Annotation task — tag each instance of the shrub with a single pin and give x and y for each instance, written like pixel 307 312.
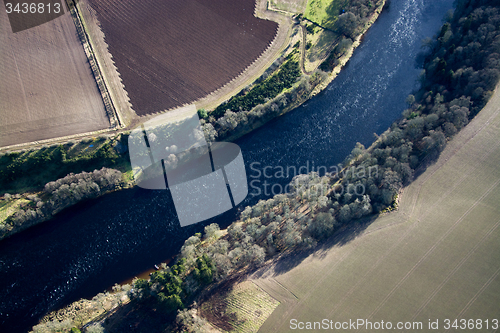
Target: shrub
pixel 268 89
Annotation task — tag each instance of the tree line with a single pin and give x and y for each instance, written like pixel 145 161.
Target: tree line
pixel 317 206
pixel 461 70
pixel 240 121
pixel 60 194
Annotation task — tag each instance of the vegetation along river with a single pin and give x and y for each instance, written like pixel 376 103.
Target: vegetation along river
pixel 97 243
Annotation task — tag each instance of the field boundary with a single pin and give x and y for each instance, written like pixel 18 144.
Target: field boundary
pixel 58 139
pixel 104 60
pixel 113 116
pixel 258 66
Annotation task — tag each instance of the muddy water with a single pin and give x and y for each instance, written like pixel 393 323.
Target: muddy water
pixel 96 244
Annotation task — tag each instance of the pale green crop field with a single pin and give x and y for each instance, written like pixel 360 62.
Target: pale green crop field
pixel 246 307
pixel 436 258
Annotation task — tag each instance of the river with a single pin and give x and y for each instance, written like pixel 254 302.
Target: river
pixel 89 247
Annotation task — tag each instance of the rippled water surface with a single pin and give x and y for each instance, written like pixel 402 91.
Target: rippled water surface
pixel 95 244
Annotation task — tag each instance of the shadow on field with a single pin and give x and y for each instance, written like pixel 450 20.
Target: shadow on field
pixel 342 237
pixel 428 161
pixel 136 318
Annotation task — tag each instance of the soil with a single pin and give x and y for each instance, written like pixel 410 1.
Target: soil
pixel 172 53
pixel 47 89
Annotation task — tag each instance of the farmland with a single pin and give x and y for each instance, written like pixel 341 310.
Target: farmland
pixel 174 53
pixel 437 257
pixel 47 88
pixel 242 309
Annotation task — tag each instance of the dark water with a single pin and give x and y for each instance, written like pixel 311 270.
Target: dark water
pixel 95 244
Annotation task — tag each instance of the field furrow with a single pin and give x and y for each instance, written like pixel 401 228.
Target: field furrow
pixel 176 52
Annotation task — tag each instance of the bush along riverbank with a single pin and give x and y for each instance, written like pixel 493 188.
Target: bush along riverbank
pixel 25 176
pixel 281 92
pixel 28 170
pixel 465 49
pixel 283 89
pixel 23 211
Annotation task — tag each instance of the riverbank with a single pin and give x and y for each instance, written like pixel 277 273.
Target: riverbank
pixel 20 212
pixel 25 173
pixel 112 151
pixel 349 52
pixel 290 99
pixel 407 148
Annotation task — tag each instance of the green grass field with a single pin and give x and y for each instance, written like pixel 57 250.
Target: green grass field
pixel 324 12
pixel 30 170
pixel 436 258
pixel 323 43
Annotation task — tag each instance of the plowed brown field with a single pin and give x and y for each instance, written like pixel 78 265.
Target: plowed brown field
pixel 47 89
pixel 174 52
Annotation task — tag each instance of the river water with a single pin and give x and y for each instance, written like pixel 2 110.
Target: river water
pixel 91 246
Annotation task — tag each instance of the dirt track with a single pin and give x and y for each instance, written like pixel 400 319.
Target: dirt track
pixel 47 89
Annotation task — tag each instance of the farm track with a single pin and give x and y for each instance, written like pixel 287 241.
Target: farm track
pixel 303 50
